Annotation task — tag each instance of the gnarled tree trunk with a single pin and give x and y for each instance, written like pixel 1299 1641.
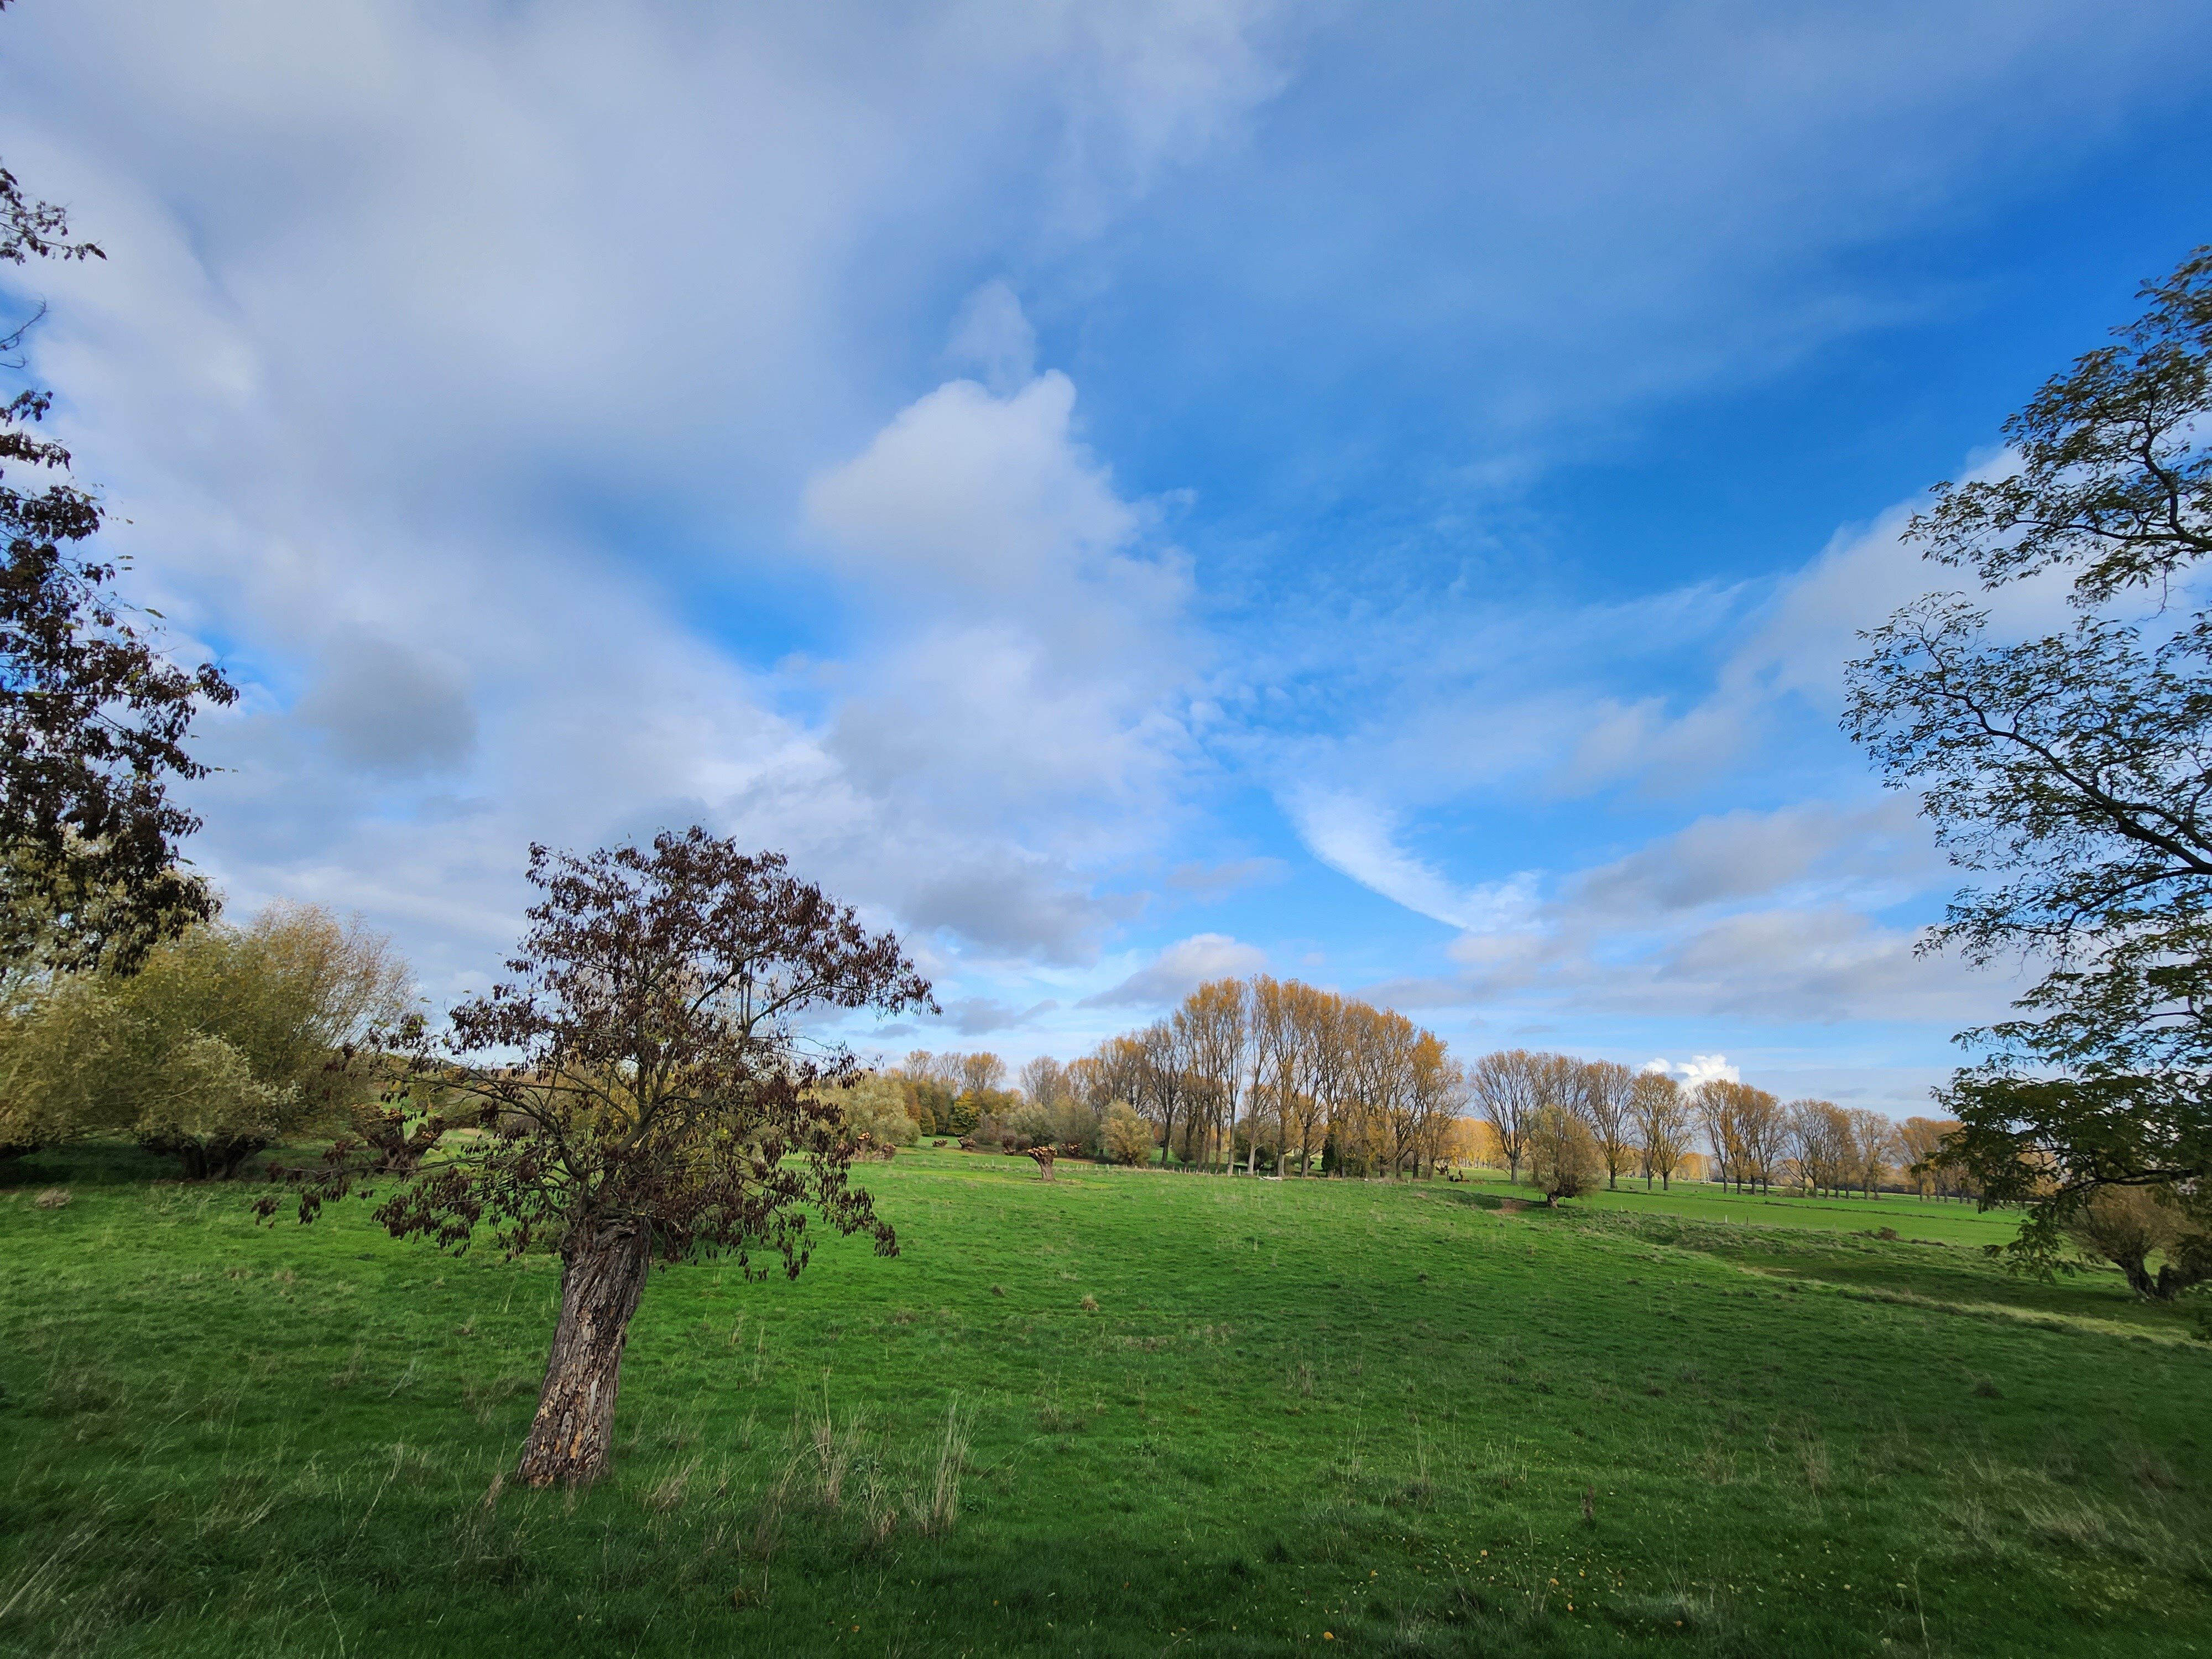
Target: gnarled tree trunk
pixel 602 1276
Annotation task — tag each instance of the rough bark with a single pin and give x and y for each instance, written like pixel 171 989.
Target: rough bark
pixel 602 1277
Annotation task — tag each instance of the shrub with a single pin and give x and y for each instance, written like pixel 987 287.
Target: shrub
pixel 1126 1137
pixel 1073 1128
pixel 877 1107
pixel 53 1050
pixel 1563 1154
pixel 2127 1225
pixel 225 1041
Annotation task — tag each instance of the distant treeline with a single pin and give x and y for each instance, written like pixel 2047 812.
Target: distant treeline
pixel 1571 1121
pixel 1278 1075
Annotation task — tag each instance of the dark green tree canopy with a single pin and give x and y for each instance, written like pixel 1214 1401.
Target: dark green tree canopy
pixel 2115 478
pixel 2073 771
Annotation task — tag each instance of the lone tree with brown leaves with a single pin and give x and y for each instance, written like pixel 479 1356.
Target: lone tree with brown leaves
pixel 644 1093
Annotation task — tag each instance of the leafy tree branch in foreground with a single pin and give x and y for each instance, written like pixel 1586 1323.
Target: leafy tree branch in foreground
pixel 2073 770
pixel 93 718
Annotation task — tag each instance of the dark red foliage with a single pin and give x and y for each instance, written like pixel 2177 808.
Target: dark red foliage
pixel 644 1067
pixel 93 718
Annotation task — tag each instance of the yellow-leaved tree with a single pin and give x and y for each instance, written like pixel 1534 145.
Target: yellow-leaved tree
pixel 226 1041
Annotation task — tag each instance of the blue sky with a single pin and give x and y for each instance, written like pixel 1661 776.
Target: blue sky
pixel 1123 494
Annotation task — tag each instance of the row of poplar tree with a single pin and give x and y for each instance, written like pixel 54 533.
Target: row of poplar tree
pixel 1279 1075
pixel 1245 1074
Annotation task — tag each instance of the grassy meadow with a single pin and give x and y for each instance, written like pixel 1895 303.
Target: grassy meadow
pixel 1122 1413
pixel 1943 1221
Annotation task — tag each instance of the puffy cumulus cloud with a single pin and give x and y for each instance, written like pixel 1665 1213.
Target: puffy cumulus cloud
pixel 1033 656
pixel 1698 1068
pixel 990 504
pixel 969 490
pixel 440 352
pixel 1178 970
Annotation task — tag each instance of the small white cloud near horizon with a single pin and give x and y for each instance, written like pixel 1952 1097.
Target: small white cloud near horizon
pixel 1698 1068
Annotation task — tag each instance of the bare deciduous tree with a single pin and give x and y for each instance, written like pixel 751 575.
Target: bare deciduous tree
pixel 1213 1023
pixel 983 1073
pixel 1163 1080
pixel 1044 1082
pixel 1508 1088
pixel 1821 1137
pixel 1607 1088
pixel 1437 1083
pixel 1662 1115
pixel 1763 1132
pixel 1874 1142
pixel 1720 1105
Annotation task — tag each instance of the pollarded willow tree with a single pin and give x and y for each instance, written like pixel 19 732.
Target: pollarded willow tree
pixel 2072 774
pixel 643 1092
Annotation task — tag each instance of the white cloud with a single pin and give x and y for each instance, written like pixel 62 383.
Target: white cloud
pixel 1761 917
pixel 1869 853
pixel 974 491
pixel 993 337
pixel 975 1016
pixel 1698 1068
pixel 498 348
pixel 391 710
pixel 1354 836
pixel 1179 968
pixel 424 332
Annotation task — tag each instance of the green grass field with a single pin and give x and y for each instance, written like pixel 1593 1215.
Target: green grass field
pixel 1937 1221
pixel 1290 1417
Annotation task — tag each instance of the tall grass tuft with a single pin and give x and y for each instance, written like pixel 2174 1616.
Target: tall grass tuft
pixel 941 1507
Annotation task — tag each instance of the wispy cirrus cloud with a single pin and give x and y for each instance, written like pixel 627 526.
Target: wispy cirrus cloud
pixel 1355 836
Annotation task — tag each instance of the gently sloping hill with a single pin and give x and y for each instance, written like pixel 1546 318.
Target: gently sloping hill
pixel 2093 1298
pixel 1101 1415
pixel 1943 1221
